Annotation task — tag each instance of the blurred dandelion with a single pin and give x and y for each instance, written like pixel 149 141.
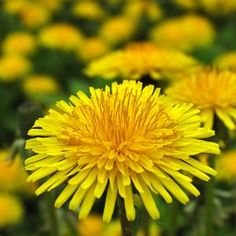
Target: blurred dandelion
pixel 149 60
pixel 11 210
pixel 212 92
pixel 122 138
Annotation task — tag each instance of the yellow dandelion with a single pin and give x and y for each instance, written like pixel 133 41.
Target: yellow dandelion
pixel 227 61
pixel 226 165
pixel 40 84
pixel 51 5
pixel 140 59
pixel 136 9
pixel 117 29
pixel 88 10
pixel 181 33
pixel 187 4
pixel 32 14
pixel 13 67
pixel 212 92
pixel 13 175
pixel 92 48
pixel 11 211
pixel 91 226
pixel 118 139
pixel 18 43
pixel 222 7
pixel 61 36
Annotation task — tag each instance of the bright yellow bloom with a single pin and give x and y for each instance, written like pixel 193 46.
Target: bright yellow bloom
pixel 13 176
pixel 91 226
pixel 136 9
pixel 212 92
pixel 51 5
pixel 11 211
pixel 33 15
pixel 185 32
pixel 88 10
pixel 122 137
pixel 40 84
pixel 61 36
pixel 226 165
pixel 217 7
pixel 92 48
pixel 140 59
pixel 19 43
pixel 188 4
pixel 227 61
pixel 13 67
pixel 117 29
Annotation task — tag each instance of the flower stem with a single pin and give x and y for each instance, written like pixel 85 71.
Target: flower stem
pixel 52 216
pixel 125 224
pixel 209 204
pixel 173 219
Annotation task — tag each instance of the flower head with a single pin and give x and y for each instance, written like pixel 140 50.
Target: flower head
pixel 149 60
pixel 212 92
pixel 136 10
pixel 13 175
pixel 117 29
pixel 88 10
pixel 18 43
pixel 226 165
pixel 120 138
pixel 227 61
pixel 61 36
pixel 92 48
pixel 11 211
pixel 181 33
pixel 13 67
pixel 40 84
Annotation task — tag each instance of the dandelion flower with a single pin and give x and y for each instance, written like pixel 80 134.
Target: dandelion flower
pixel 226 165
pixel 13 67
pixel 117 29
pixel 85 229
pixel 187 4
pixel 11 211
pixel 118 139
pixel 13 175
pixel 181 33
pixel 40 84
pixel 18 43
pixel 227 61
pixel 212 92
pixel 140 59
pixel 88 10
pixel 136 10
pixel 92 48
pixel 219 7
pixel 61 36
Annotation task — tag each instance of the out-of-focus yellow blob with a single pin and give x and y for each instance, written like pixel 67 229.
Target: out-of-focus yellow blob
pixel 186 32
pixel 11 210
pixel 227 61
pixel 19 43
